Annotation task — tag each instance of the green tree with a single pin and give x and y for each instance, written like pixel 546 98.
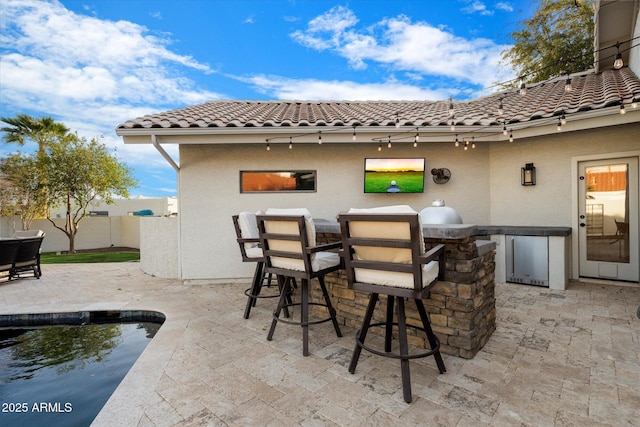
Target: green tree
pixel 79 172
pixel 20 191
pixel 25 128
pixel 556 40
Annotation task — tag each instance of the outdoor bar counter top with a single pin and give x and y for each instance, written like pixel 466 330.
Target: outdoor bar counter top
pixel 458 231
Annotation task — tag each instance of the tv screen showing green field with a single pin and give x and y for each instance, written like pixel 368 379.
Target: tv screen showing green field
pixel 394 175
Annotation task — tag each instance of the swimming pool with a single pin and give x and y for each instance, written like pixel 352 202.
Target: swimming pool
pixel 59 369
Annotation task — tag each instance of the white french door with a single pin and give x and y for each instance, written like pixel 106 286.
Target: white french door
pixel 608 219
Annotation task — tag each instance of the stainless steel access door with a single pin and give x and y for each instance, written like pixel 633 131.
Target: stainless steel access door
pixel 528 260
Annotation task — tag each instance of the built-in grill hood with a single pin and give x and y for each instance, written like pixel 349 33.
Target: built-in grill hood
pixel 438 213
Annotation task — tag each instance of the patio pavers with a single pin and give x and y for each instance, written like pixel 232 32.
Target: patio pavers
pixel 557 358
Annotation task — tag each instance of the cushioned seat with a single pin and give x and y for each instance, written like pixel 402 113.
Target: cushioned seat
pixel 384 254
pixel 288 239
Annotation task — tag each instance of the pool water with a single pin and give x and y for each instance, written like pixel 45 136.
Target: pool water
pixel 62 375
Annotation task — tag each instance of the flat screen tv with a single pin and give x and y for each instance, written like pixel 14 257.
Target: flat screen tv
pixel 398 175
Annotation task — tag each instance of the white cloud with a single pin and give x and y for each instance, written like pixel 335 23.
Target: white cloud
pixel 319 90
pixel 477 7
pixel 504 6
pixel 80 68
pixel 328 30
pixel 413 47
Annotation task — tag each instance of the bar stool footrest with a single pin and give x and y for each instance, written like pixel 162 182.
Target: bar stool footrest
pixel 332 313
pixel 362 345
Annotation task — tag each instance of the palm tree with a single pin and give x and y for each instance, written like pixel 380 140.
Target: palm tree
pixel 42 131
pixel 26 128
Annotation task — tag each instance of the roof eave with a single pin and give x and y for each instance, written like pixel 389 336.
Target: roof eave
pixel 591 119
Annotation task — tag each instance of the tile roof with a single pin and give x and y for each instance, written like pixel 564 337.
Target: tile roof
pixel 591 91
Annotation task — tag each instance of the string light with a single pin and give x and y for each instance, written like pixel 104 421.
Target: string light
pixel 415 140
pixel 618 62
pixel 523 87
pixel 567 84
pixel 473 144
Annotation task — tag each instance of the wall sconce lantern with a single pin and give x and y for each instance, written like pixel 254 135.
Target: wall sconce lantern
pixel 528 174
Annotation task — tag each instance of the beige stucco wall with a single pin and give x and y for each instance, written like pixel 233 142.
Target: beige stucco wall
pixel 159 246
pixel 485 186
pixel 209 191
pixel 549 201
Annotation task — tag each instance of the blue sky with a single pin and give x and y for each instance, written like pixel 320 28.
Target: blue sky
pixel 93 64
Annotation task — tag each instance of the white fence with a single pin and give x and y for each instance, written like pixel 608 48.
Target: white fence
pixel 94 232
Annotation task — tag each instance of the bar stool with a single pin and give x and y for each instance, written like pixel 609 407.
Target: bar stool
pixel 248 239
pixel 384 255
pixel 287 237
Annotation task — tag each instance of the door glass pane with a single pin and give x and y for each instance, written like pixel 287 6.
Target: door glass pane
pixel 607 195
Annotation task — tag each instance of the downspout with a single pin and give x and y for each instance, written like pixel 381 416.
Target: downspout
pixel 154 141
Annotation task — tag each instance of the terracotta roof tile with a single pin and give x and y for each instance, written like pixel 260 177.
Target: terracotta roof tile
pixel 547 99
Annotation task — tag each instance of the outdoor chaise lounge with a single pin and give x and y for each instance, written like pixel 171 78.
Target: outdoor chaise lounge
pixel 21 253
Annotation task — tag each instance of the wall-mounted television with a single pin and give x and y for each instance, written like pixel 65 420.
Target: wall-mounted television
pixel 394 175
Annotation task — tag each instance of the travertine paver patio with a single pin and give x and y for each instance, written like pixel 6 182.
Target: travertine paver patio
pixel 557 358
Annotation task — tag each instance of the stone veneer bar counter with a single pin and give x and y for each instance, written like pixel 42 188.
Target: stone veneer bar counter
pixel 461 307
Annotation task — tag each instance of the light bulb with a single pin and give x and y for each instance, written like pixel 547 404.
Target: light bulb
pixel 567 85
pixel 353 138
pixel 268 147
pixel 320 137
pixel 622 110
pixel 504 130
pixel 511 137
pixel 523 88
pixel 618 63
pixel 563 120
